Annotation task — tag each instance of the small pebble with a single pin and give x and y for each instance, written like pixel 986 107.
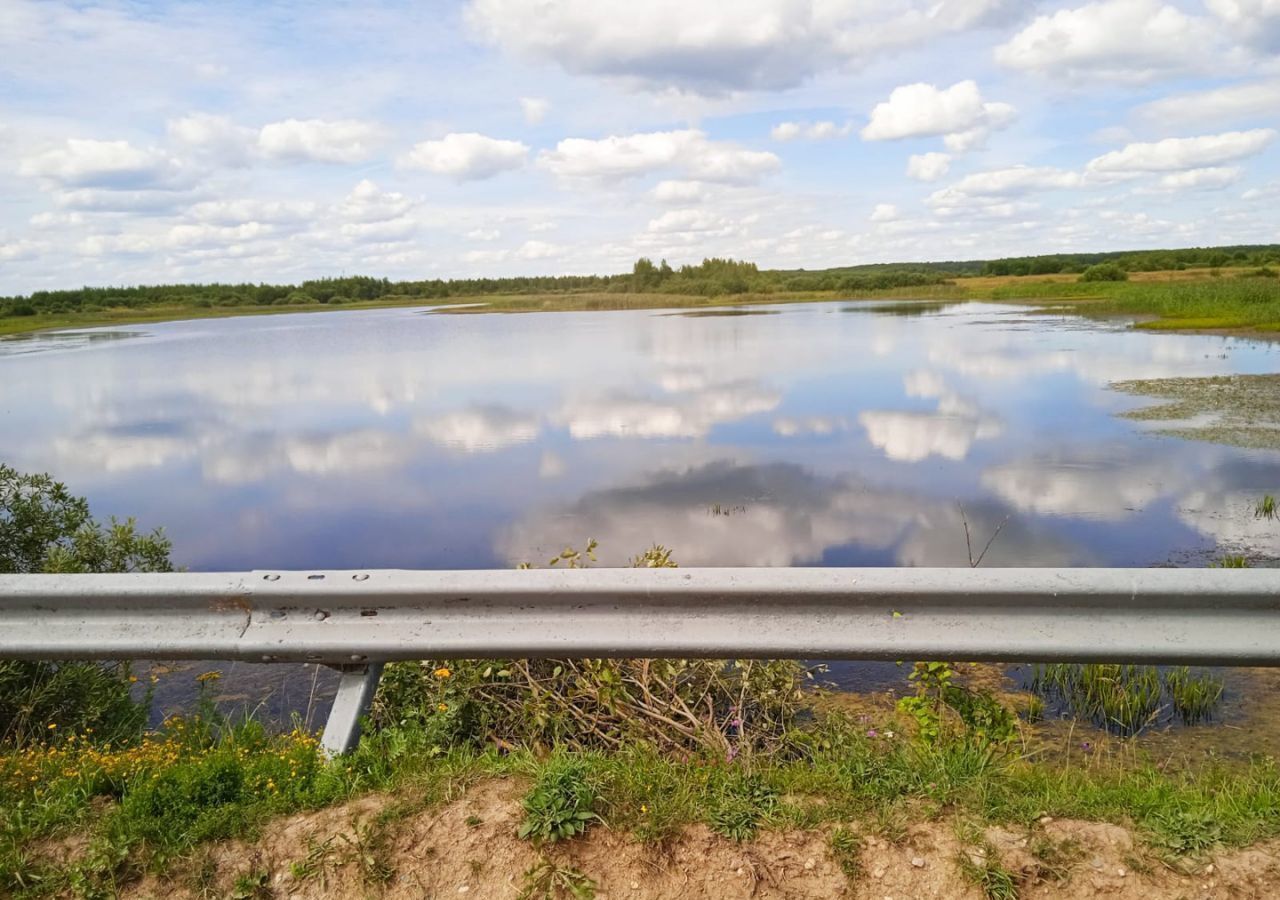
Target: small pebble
pixel 810 863
pixel 917 861
pixel 741 870
pixel 1121 872
pixel 1045 820
pixel 635 885
pixel 877 872
pixel 1096 862
pixel 1208 870
pixel 464 889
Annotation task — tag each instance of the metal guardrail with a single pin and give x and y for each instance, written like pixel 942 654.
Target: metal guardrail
pixel 356 621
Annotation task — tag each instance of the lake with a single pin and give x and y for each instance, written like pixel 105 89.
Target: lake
pixel 838 434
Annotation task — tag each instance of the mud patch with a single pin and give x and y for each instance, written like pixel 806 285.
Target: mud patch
pixel 1239 410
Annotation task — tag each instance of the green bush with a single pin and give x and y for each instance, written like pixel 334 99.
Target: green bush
pixel 1104 272
pixel 44 528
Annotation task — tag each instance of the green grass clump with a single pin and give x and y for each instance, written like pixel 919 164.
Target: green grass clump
pixel 561 803
pixel 1124 699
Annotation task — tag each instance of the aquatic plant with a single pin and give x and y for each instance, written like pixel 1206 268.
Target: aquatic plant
pixel 1125 699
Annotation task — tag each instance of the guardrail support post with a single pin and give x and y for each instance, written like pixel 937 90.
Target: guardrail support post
pixel 355 692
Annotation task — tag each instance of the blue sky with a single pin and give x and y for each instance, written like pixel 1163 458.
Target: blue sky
pixel 152 142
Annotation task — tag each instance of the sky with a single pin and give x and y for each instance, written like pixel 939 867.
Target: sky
pixel 157 142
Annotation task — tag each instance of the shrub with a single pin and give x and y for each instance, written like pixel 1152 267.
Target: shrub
pixel 44 528
pixel 1104 272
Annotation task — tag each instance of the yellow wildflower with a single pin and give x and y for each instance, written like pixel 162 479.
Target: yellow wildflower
pixel 443 707
pixel 443 672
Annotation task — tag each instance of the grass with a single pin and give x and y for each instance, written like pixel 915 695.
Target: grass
pixel 1233 302
pixel 145 807
pixel 1125 699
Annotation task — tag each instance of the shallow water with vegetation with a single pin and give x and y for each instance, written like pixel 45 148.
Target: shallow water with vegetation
pixel 842 433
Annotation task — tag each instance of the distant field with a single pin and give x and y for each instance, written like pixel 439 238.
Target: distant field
pixel 1194 299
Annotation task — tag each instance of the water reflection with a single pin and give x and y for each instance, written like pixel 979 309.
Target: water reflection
pixel 392 438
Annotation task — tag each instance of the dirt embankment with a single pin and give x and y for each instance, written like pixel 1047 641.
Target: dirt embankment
pixel 467 849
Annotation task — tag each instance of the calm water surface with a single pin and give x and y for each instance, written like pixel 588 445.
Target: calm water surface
pixel 822 434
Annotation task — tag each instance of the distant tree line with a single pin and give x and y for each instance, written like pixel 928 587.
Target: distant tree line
pixel 711 278
pixel 1131 260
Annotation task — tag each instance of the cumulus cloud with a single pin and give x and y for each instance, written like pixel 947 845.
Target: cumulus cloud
pixel 687 220
pixel 957 113
pixel 810 131
pixel 535 109
pixel 110 165
pixel 928 166
pixel 1210 179
pixel 999 184
pixel 217 137
pixel 677 191
pixel 1233 103
pixel 319 140
pixel 232 212
pixel 1121 40
pixel 539 250
pixel 689 151
pixel 710 47
pixel 466 156
pixel 884 212
pixel 1255 22
pixel 1174 154
pixel 369 203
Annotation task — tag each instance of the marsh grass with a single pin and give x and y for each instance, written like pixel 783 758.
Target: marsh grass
pixel 1124 699
pixel 1193 304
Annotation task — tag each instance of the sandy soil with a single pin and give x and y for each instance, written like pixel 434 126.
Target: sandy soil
pixel 467 848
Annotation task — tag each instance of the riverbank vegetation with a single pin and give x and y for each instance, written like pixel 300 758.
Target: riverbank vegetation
pixel 1222 287
pixel 94 804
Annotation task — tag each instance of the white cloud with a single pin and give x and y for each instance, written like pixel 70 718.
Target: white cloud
pixel 232 212
pixel 1003 183
pixel 483 234
pixel 535 109
pixel 369 203
pixel 111 165
pixel 711 47
pixel 619 157
pixel 928 166
pixel 958 113
pixel 539 250
pixel 1256 22
pixel 1174 154
pixel 1251 100
pixel 687 220
pixel 811 131
pixel 214 136
pixel 674 191
pixel 1121 40
pixel 467 156
pixel 1210 179
pixel 884 212
pixel 320 140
